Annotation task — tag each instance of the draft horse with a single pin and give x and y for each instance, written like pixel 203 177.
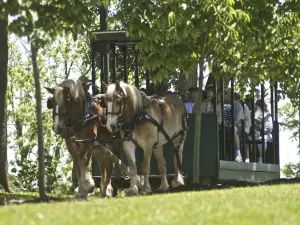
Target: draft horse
pixel 78 120
pixel 148 123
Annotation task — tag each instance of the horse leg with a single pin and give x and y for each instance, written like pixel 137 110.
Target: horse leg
pixel 86 178
pixel 104 164
pixel 73 148
pixel 178 179
pixel 161 162
pixel 146 188
pixel 109 171
pixel 129 149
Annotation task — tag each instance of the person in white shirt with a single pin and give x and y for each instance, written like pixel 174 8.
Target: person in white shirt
pixel 238 116
pixel 207 105
pixel 247 123
pixel 268 126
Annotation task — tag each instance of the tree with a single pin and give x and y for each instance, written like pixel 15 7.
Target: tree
pixel 21 107
pixel 3 115
pixel 41 22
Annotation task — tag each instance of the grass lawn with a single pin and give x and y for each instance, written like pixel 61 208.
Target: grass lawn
pixel 256 205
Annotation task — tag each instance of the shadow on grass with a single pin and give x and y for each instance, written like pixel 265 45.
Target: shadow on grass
pixel 18 199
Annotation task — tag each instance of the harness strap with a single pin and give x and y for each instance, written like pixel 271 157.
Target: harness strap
pixel 148 118
pixel 88 115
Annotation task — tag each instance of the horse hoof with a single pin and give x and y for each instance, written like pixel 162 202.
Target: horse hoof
pixel 81 196
pixel 163 189
pixel 108 193
pixel 176 183
pixel 146 191
pixel 89 186
pixel 133 191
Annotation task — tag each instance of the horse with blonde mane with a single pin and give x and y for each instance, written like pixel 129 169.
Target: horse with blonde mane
pixel 148 123
pixel 79 121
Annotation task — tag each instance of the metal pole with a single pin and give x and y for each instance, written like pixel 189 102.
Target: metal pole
pixel 276 125
pixel 106 63
pixel 114 66
pixel 217 128
pixel 272 115
pixel 125 65
pixel 103 16
pixel 147 80
pixel 232 118
pixel 93 71
pixel 262 94
pixel 136 70
pixel 223 123
pixel 253 130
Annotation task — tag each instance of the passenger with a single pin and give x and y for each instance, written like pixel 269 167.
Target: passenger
pixel 189 104
pixel 268 126
pixel 85 82
pixel 191 99
pixel 248 101
pixel 161 88
pixel 247 123
pixel 238 116
pixel 207 105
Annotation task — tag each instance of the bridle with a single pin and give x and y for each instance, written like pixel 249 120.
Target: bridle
pixel 121 102
pixel 67 120
pixel 69 125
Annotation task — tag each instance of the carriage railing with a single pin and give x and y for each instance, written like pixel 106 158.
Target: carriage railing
pixel 269 155
pixel 108 56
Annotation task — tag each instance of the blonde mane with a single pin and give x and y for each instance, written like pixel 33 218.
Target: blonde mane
pixel 76 90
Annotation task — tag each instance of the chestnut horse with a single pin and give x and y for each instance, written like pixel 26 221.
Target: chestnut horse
pixel 148 123
pixel 78 119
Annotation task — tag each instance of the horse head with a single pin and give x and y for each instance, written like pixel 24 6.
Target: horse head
pixel 123 103
pixel 66 95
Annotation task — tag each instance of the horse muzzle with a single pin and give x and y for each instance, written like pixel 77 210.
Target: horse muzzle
pixel 112 128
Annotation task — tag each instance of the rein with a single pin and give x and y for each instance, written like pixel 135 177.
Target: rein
pixel 88 116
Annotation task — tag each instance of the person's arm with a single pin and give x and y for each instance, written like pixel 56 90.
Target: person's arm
pixel 268 124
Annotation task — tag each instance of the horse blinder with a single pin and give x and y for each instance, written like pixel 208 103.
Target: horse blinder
pixel 50 103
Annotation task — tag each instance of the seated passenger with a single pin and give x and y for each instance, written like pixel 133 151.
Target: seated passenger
pixel 189 104
pixel 268 126
pixel 207 105
pixel 191 99
pixel 238 116
pixel 247 123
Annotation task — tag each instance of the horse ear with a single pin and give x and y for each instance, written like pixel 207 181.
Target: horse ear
pixel 118 86
pixel 104 86
pixel 50 90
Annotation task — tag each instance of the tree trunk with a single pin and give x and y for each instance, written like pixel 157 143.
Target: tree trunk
pixel 197 132
pixel 186 82
pixel 41 154
pixel 3 116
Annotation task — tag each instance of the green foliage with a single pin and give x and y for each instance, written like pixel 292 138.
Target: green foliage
pixel 251 41
pixel 42 21
pixel 291 170
pixel 56 59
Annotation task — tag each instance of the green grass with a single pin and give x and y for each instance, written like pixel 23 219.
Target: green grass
pixel 255 205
